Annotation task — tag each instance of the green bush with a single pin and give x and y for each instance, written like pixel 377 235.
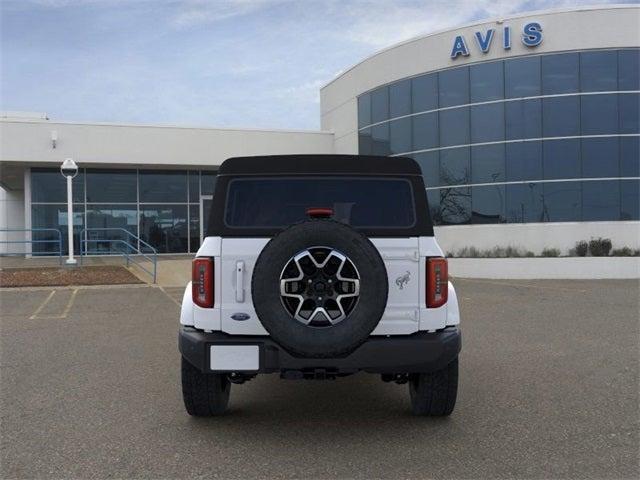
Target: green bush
pixel 600 247
pixel 581 248
pixel 550 252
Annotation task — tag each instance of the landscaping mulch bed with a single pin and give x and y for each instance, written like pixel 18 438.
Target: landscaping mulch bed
pixel 59 276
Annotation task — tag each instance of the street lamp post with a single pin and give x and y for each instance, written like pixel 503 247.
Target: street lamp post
pixel 69 169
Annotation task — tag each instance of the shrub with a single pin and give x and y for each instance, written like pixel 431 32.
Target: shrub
pixel 581 248
pixel 600 247
pixel 529 253
pixel 550 252
pixel 625 252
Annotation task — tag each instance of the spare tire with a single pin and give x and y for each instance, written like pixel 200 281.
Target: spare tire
pixel 319 288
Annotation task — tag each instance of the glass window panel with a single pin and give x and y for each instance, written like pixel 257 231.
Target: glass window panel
pixel 455 205
pixel 487 123
pixel 599 71
pixel 380 139
pixel 430 164
pixel 54 216
pixel 194 227
pixel 629 113
pixel 400 135
pixel 425 131
pixel 562 202
pixel 365 147
pixel 112 186
pixel 206 214
pixel 165 227
pixel 600 157
pixel 488 204
pixel 630 156
pixel 522 77
pixel 486 81
pixel 601 200
pixel 114 218
pixel 453 87
pixel 523 161
pixel 364 110
pixel 524 203
pixel 561 116
pixel 487 164
pixel 560 73
pixel 400 98
pixel 454 166
pixel 629 70
pixel 630 200
pixel 208 182
pixel 433 197
pixel 194 186
pixel 523 119
pixel 380 105
pixel 561 159
pixel 48 185
pixel 599 114
pixel 454 127
pixel 424 93
pixel 163 186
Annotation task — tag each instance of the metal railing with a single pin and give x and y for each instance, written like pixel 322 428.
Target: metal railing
pixel 31 241
pixel 131 248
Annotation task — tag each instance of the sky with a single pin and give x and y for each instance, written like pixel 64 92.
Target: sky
pixel 217 63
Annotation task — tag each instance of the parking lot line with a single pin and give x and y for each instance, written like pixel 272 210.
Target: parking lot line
pixel 42 305
pixel 172 299
pixel 37 316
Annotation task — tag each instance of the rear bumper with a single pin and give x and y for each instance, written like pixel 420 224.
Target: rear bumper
pixel 420 352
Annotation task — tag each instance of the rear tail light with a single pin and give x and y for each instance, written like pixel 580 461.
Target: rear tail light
pixel 437 282
pixel 202 282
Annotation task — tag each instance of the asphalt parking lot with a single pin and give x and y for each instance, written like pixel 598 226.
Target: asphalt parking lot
pixel 90 388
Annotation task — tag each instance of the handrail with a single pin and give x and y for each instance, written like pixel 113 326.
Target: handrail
pixel 137 251
pixel 32 241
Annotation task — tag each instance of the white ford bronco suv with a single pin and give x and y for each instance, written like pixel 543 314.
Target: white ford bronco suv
pixel 317 267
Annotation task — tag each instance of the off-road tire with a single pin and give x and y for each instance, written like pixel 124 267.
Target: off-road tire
pixel 434 394
pixel 204 394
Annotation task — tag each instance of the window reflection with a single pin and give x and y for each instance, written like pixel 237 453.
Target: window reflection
pixel 561 201
pixel 163 186
pixel 523 161
pixel 114 218
pixel 453 87
pixel 561 116
pixel 380 140
pixel 599 114
pixel 424 92
pixel 629 69
pixel 560 73
pixel 630 157
pixel 523 119
pixel 524 203
pixel 598 71
pixel 596 157
pixel 487 123
pixel 49 186
pixel 165 227
pixel 522 77
pixel 400 98
pixel 364 110
pixel 455 205
pixel 430 165
pixel 380 104
pixel 630 200
pixel 106 185
pixel 454 166
pixel 400 135
pixel 55 216
pixel 487 164
pixel 561 159
pixel 600 201
pixel 488 204
pixel 629 113
pixel 425 131
pixel 487 81
pixel 454 127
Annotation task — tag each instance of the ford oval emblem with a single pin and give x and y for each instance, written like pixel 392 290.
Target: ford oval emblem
pixel 240 317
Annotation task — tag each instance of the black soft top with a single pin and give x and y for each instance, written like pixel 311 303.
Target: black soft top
pixel 319 164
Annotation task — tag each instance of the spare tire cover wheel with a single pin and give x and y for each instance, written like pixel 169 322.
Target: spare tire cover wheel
pixel 319 288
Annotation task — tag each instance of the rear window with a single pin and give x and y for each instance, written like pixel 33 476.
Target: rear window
pixel 359 202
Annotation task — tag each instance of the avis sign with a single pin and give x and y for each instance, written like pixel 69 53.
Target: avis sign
pixel 531 37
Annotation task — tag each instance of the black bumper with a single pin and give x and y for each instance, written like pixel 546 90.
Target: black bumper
pixel 419 352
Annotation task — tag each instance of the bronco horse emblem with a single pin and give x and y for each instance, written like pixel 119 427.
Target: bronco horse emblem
pixel 402 280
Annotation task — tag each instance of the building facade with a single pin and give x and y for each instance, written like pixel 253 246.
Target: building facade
pixel 526 129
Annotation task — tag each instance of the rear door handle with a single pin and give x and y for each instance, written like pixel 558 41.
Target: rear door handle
pixel 240 281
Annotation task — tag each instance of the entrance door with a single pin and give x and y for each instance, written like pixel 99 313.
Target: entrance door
pixel 205 209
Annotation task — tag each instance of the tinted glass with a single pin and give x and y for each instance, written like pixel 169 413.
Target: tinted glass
pixel 562 201
pixel 487 81
pixel 523 161
pixel 599 71
pixel 380 104
pixel 523 119
pixel 278 202
pixel 630 200
pixel 364 110
pixel 48 185
pixel 454 87
pixel 629 113
pixel 599 114
pixel 424 92
pixel 629 70
pixel 600 157
pixel 365 145
pixel 108 186
pixel 522 77
pixel 163 186
pixel 54 216
pixel 425 131
pixel 114 218
pixel 454 127
pixel 194 186
pixel 487 123
pixel 455 166
pixel 524 203
pixel 430 164
pixel 487 164
pixel 561 116
pixel 561 159
pixel 488 204
pixel 400 98
pixel 560 73
pixel 208 182
pixel 400 135
pixel 433 197
pixel 455 206
pixel 630 157
pixel 380 139
pixel 600 200
pixel 194 227
pixel 165 227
